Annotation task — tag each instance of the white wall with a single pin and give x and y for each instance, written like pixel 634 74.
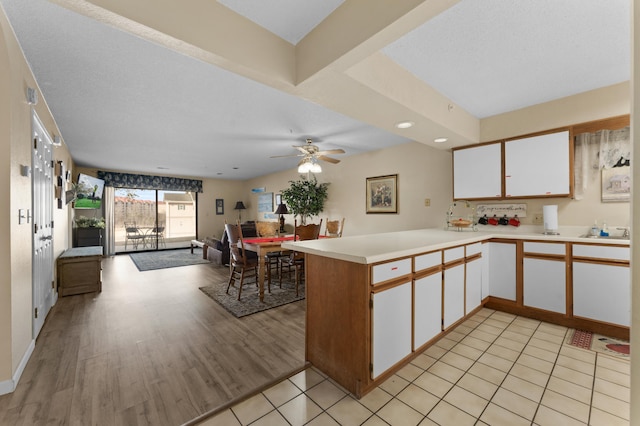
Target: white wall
pixel 16 307
pixel 423 172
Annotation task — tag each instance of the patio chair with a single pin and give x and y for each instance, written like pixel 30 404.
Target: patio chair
pixel 134 235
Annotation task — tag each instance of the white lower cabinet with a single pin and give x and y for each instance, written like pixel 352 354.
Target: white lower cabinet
pixel 391 327
pixel 602 292
pixel 544 284
pixel 453 295
pixel 473 284
pixel 502 270
pixel 427 308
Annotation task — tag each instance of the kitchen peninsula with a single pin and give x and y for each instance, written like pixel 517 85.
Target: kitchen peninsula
pixel 374 302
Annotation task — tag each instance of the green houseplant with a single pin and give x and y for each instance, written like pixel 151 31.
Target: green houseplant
pixel 89 222
pixel 305 197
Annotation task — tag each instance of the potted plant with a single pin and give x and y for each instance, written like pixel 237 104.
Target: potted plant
pixel 89 222
pixel 305 197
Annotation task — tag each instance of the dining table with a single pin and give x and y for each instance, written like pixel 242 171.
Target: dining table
pixel 262 246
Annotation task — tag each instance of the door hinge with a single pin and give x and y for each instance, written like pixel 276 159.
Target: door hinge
pixel 36 312
pixel 370 368
pixel 35 143
pixel 370 303
pixel 52 164
pixel 51 224
pixel 53 284
pixel 35 228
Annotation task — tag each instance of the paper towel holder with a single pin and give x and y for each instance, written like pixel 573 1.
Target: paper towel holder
pixel 550 218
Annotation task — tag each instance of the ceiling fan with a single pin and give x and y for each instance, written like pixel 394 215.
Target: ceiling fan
pixel 310 155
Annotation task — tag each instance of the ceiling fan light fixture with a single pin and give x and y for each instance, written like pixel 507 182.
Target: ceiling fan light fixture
pixel 309 165
pixel 315 168
pixel 440 140
pixel 305 167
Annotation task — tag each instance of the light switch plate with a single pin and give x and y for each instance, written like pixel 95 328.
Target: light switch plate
pixel 537 219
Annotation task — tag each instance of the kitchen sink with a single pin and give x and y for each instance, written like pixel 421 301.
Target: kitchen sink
pixel 610 237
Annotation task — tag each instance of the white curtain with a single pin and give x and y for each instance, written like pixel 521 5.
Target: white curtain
pixel 603 149
pixel 109 212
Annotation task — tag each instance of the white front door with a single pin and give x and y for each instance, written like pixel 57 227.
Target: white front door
pixel 42 193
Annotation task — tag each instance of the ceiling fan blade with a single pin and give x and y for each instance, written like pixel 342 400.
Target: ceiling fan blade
pixel 331 151
pixel 328 159
pixel 302 149
pixel 284 156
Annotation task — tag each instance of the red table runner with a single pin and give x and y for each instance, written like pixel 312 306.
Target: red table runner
pixel 268 240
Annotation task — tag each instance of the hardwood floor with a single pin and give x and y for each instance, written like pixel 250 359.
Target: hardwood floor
pixel 151 349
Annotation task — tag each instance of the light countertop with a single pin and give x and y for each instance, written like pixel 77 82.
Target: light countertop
pixel 375 248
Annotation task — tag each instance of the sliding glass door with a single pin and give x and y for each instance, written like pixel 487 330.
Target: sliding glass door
pixel 153 219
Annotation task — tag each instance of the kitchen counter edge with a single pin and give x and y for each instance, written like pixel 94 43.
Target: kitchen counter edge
pixel 375 248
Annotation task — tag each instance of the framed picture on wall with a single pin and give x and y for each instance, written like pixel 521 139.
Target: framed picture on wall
pixel 616 184
pixel 219 206
pixel 265 202
pixel 382 194
pixel 278 200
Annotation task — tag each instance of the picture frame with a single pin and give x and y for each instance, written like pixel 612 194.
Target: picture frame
pixel 265 202
pixel 382 194
pixel 278 200
pixel 219 206
pixel 616 185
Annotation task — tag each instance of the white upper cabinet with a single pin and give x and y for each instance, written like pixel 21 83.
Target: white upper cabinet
pixel 477 172
pixel 538 166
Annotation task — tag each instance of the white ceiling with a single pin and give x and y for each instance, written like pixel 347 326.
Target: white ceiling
pixel 125 103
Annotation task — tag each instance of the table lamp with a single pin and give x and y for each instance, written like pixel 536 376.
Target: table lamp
pixel 239 206
pixel 282 209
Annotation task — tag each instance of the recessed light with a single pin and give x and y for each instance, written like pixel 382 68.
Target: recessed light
pixel 440 140
pixel 404 124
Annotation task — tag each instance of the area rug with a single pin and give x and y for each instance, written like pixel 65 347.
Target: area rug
pixel 151 260
pixel 250 302
pixel 598 343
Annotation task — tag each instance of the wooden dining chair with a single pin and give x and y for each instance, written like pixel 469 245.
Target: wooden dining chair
pixel 295 259
pixel 240 261
pixel 272 259
pixel 333 228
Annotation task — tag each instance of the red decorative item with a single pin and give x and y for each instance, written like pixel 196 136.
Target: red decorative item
pixel 514 221
pixel 493 221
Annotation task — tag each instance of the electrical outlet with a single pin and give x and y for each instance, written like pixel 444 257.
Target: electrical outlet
pixel 427 202
pixel 537 219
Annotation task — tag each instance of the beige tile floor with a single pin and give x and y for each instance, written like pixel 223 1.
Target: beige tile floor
pixel 494 369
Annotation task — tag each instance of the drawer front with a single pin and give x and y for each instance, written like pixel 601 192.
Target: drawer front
pixel 390 270
pixel 453 254
pixel 426 261
pixel 472 249
pixel 545 248
pixel 601 252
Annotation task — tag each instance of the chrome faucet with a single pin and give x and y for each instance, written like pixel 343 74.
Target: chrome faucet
pixel 626 233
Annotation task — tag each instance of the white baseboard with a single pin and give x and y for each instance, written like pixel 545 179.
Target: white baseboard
pixel 9 386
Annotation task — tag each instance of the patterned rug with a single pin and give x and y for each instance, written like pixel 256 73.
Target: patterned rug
pixel 598 343
pixel 250 303
pixel 151 260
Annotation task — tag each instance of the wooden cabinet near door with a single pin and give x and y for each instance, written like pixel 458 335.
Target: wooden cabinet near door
pixel 80 271
pixel 87 237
